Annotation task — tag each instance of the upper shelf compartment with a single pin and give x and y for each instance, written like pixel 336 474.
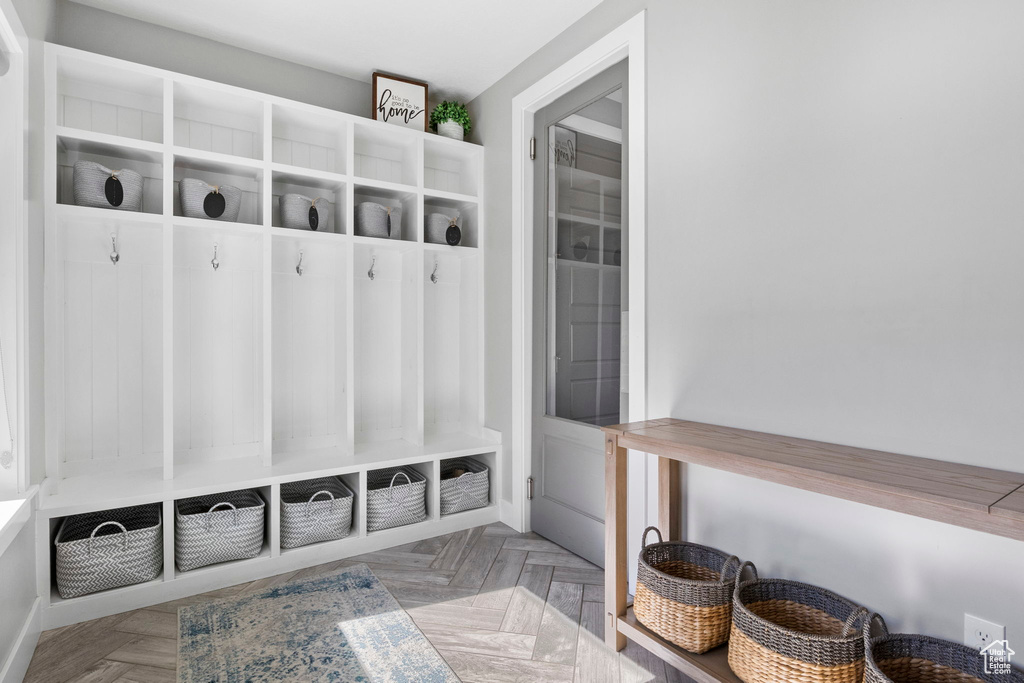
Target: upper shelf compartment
pixel 309 140
pixel 108 100
pixel 451 167
pixel 388 153
pixel 218 121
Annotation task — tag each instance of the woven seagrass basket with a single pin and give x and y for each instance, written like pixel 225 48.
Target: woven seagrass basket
pixel 684 592
pixel 315 510
pixel 101 550
pixel 905 658
pixel 790 631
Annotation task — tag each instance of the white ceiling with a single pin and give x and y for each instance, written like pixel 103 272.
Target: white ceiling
pixel 460 47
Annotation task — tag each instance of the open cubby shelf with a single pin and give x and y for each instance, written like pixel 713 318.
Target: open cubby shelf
pixel 168 377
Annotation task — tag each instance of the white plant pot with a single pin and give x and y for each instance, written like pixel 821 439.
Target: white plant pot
pixel 450 129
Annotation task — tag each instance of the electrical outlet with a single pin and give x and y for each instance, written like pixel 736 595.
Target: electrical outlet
pixel 979 633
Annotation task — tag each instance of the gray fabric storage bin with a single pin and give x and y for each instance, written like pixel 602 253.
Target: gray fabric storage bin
pixel 372 221
pixel 89 185
pixel 436 229
pixel 218 528
pixel 315 510
pixel 192 193
pixel 109 549
pixel 295 212
pixel 466 491
pixel 395 496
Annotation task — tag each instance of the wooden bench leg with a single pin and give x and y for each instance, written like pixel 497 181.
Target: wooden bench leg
pixel 615 576
pixel 669 517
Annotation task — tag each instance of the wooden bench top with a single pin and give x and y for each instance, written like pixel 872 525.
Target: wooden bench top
pixel 976 497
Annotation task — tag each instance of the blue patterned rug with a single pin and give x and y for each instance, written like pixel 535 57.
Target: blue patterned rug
pixel 342 627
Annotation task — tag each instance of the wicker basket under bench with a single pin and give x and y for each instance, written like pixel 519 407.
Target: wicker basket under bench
pixel 465 485
pixel 395 496
pixel 109 549
pixel 218 528
pixel 314 511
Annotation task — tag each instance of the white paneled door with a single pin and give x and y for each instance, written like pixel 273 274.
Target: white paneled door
pixel 579 286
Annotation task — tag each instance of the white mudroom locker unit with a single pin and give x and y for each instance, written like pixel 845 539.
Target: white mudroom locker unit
pixel 189 356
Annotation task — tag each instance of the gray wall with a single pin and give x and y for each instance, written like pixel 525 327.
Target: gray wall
pixel 94 30
pixel 834 246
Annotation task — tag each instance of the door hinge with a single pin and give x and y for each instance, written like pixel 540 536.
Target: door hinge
pixel 529 488
pixel 533 148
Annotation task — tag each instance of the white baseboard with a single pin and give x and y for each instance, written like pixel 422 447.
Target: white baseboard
pixel 508 515
pixel 14 668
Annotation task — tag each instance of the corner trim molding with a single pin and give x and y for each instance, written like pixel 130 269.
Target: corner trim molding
pixel 16 666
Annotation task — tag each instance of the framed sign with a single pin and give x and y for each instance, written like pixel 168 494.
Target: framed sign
pixel 399 101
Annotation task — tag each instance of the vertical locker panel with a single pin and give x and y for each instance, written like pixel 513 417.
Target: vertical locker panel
pixel 218 345
pixel 308 352
pixel 113 389
pixel 378 345
pixel 442 344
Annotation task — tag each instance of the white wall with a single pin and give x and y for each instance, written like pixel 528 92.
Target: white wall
pixel 835 241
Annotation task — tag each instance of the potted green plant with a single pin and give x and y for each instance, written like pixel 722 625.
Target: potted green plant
pixel 451 120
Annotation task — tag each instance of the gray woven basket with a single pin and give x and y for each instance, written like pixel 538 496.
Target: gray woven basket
pixel 904 658
pixel 395 496
pixel 193 193
pixel 684 592
pixel 787 630
pixel 296 212
pixel 90 181
pixel 467 490
pixel 315 510
pixel 436 228
pixel 101 550
pixel 372 220
pixel 217 528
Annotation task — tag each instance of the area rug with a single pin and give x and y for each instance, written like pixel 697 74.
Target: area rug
pixel 341 627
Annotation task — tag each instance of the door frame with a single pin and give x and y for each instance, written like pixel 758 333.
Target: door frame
pixel 626 41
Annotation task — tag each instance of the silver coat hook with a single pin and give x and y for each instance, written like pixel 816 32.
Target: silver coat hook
pixel 114 255
pixel 299 268
pixel 373 262
pixel 215 262
pixel 433 276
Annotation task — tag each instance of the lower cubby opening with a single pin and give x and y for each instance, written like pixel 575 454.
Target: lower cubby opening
pixel 99 548
pixel 218 524
pixel 307 505
pixel 391 498
pixel 462 487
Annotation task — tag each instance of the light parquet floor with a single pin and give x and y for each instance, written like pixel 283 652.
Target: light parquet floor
pixel 499 606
